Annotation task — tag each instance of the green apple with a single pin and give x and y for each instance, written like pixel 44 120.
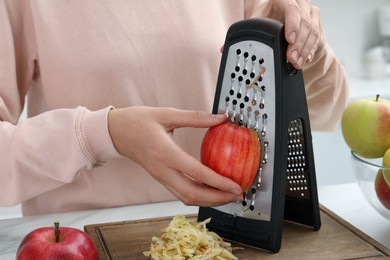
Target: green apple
pixel 365 125
pixel 382 181
pixel 386 164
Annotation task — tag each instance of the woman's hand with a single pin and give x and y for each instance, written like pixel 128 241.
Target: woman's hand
pixel 303 30
pixel 144 135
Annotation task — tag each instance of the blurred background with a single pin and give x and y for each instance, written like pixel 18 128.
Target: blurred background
pixel 359 33
pixel 354 28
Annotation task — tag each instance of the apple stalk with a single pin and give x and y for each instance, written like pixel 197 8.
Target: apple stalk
pixel 57 231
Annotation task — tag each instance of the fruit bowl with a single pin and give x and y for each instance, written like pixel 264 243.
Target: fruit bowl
pixel 372 181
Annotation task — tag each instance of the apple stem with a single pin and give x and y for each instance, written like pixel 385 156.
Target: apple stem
pixel 57 231
pixel 377 97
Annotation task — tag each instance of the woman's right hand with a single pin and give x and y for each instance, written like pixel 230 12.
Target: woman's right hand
pixel 144 135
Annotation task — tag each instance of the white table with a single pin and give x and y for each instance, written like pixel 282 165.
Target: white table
pixel 12 231
pixel 348 202
pixel 345 200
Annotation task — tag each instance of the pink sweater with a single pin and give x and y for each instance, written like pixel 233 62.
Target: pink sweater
pixel 75 59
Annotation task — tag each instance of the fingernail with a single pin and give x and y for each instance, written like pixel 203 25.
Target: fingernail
pixel 293 37
pixel 294 55
pixel 300 61
pixel 310 58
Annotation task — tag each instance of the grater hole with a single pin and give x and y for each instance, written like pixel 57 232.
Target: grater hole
pixel 244 71
pixel 248 81
pixel 238 51
pixel 240 78
pixel 233 75
pixel 231 92
pixel 237 69
pixel 239 95
pixel 261 60
pixel 246 55
pixel 227 99
pixel 246 98
pixel 252 75
pixel 253 57
pixel 242 105
pixel 263 88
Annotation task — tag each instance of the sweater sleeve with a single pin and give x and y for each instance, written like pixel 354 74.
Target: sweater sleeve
pixel 326 89
pixel 48 150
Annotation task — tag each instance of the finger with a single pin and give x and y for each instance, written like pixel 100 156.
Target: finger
pixel 176 118
pixel 309 48
pixel 313 41
pixel 292 20
pixel 193 193
pixel 175 158
pixel 300 51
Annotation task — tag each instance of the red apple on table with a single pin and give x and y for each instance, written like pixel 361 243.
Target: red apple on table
pixel 57 243
pixel 382 182
pixel 233 151
pixel 365 125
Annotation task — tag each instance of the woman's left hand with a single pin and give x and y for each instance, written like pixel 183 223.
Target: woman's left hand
pixel 303 30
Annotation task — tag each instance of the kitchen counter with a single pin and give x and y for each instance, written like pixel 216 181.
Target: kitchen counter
pixel 348 202
pixel 345 200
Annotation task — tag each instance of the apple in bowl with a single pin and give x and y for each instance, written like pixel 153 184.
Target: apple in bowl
pixel 371 180
pixel 382 181
pixel 57 243
pixel 233 151
pixel 365 125
pixel 382 188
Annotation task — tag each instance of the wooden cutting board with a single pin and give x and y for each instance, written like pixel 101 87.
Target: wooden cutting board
pixel 336 239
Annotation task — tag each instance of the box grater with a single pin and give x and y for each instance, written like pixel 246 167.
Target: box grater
pixel 259 89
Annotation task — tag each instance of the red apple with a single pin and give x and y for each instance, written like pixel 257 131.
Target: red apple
pixel 382 189
pixel 382 181
pixel 365 125
pixel 57 243
pixel 232 151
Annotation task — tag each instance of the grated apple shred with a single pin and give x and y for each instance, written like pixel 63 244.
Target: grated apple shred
pixel 189 240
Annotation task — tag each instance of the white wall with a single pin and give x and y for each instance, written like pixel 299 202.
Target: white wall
pixel 351 28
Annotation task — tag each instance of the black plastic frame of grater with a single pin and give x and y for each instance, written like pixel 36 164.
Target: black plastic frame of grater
pixel 290 104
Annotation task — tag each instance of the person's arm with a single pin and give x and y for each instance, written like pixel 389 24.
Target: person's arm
pixel 325 78
pixel 326 89
pixel 47 151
